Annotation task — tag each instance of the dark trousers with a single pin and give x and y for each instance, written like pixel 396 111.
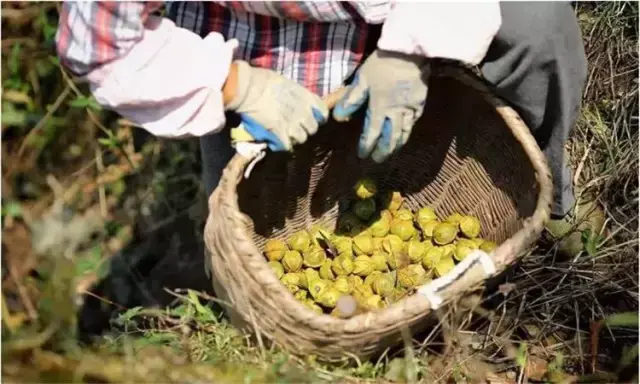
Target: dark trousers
pixel 536 62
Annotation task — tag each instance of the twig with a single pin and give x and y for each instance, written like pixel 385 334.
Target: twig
pixel 24 344
pixel 24 296
pixel 92 116
pixel 101 190
pixel 56 104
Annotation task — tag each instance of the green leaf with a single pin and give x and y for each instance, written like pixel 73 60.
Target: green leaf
pixel 629 355
pixel 395 370
pixel 204 313
pixel 12 117
pixel 12 209
pixel 126 318
pixel 591 241
pixel 14 59
pixel 521 355
pixel 93 104
pixel 624 319
pixel 92 262
pixel 80 101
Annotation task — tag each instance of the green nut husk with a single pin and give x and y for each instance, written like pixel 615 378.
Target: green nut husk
pixel 299 241
pixel 313 306
pixel 359 230
pixel 342 265
pixel 478 241
pixel 329 297
pixel 403 214
pixel 454 219
pixel 325 271
pixel 372 277
pixel 291 278
pixel 314 257
pixel 316 287
pixel 277 268
pixel 383 285
pixel 379 260
pixel 364 209
pixel 392 201
pixel 469 226
pixel 411 276
pixel 362 291
pixel 403 229
pixel 319 234
pixel 365 188
pixel 415 250
pixel 363 266
pixel 311 274
pixel 377 244
pixel 362 245
pixel 463 248
pixel 374 302
pixel 448 250
pixel 386 214
pixel 427 226
pixel 393 260
pixel 444 233
pixel 355 280
pixel 488 246
pixel 432 256
pixel 392 244
pixel 397 294
pixel 274 249
pixel 379 227
pixel 344 245
pixel 425 214
pixel 443 267
pixel 292 261
pixel 292 288
pixel 347 222
pixel 342 285
pixel 303 282
pixel 300 295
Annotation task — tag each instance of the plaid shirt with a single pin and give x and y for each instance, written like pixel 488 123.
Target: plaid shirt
pixel 317 44
pixel 167 74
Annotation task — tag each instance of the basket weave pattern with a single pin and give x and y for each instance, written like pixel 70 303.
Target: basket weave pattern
pixel 469 153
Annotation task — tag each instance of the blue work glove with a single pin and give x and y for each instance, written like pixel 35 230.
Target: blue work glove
pixel 396 86
pixel 274 109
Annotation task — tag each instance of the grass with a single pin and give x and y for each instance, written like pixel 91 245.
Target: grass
pixel 116 218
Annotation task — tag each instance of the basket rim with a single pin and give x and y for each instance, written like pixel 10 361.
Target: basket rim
pixel 415 306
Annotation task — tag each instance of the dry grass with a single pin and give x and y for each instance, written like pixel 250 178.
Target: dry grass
pixel 59 147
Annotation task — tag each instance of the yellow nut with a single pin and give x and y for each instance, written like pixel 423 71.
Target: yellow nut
pixel 274 249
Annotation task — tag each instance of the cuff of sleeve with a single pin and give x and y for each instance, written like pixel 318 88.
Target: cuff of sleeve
pixel 441 30
pixel 170 82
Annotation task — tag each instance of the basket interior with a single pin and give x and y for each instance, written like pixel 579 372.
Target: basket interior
pixel 461 157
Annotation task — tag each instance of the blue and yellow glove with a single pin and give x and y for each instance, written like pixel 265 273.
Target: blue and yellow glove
pixel 274 110
pixel 396 87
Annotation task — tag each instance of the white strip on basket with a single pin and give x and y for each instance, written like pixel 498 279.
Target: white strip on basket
pixel 255 151
pixel 430 290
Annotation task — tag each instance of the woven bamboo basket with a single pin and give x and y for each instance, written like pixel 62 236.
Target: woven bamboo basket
pixel 469 153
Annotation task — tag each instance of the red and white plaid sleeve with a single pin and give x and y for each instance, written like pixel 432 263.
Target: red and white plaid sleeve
pixel 94 33
pixel 162 77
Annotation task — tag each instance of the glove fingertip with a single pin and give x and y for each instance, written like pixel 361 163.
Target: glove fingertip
pixel 320 116
pixel 262 134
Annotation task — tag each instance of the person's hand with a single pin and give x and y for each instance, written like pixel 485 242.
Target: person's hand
pixel 396 87
pixel 272 108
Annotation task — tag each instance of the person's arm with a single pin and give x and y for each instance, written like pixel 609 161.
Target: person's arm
pixel 449 30
pixel 164 78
